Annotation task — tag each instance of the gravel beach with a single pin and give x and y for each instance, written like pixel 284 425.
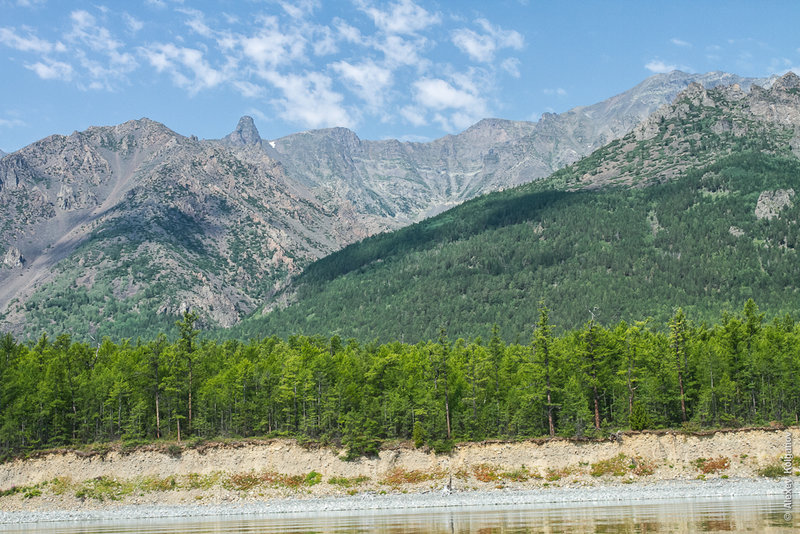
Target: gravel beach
pixel 370 501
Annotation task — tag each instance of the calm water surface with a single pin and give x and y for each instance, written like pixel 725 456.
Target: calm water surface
pixel 710 515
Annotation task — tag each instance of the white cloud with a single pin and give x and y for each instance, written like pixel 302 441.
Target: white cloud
pixel 659 67
pixel 28 43
pixel 309 100
pixel 11 123
pixel 482 46
pixel 248 89
pixel 436 93
pixel 134 25
pixel 680 42
pixel 197 22
pixel 348 32
pixel 403 18
pixel 186 66
pixel 401 52
pixel 463 103
pixel 52 70
pixel 555 92
pixel 325 42
pixel 511 66
pixel 299 9
pixel 271 47
pixel 414 115
pixel 86 36
pixel 368 80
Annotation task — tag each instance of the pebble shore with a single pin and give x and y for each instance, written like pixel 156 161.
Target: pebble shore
pixel 370 501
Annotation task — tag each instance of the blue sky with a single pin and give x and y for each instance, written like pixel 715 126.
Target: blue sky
pixel 407 69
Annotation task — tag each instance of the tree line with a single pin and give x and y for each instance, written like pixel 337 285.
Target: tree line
pixel 583 382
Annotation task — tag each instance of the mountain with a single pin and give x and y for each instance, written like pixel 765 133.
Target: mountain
pixel 406 182
pixel 696 207
pixel 117 229
pixel 2 153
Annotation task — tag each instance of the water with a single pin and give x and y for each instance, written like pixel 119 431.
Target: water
pixel 702 515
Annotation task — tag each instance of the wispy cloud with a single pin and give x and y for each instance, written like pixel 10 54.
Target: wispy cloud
pixel 657 66
pixel 49 69
pixel 511 65
pixel 402 18
pixel 483 46
pixel 134 25
pixel 186 66
pixel 102 56
pixel 555 92
pixel 11 123
pixel 29 42
pixel 455 105
pixel 309 100
pixel 680 42
pixel 367 79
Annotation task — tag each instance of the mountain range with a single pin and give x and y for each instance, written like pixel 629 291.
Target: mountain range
pixel 694 208
pixel 116 230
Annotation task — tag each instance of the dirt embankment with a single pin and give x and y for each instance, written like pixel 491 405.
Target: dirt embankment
pixel 217 472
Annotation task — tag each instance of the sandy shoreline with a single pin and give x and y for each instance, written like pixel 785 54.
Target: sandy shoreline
pixel 637 492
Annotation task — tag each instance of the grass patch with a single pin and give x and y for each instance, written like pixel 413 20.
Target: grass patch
pixel 398 476
pixel 348 482
pixel 248 481
pixel 154 483
pixel 102 489
pixel 198 481
pixel 554 475
pixel 622 465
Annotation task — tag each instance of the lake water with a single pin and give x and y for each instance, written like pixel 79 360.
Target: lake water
pixel 705 515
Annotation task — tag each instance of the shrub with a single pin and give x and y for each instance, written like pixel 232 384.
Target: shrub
pixel 771 471
pixel 485 473
pixel 443 446
pixel 712 465
pixel 313 478
pixel 616 466
pixel 519 475
pixel 174 450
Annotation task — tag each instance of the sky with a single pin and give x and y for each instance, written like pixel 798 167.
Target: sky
pixel 405 69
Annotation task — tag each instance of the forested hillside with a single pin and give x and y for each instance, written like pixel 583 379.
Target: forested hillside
pixel 621 254
pixel 693 208
pixel 741 370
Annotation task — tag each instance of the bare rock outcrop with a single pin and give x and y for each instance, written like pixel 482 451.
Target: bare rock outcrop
pixel 770 203
pixel 13 258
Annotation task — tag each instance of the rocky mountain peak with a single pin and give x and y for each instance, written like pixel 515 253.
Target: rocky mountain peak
pixel 245 133
pixel 787 82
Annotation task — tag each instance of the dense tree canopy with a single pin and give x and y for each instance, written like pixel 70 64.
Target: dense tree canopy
pixel 588 381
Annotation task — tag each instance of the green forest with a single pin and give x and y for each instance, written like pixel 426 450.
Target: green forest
pixel 623 253
pixel 589 381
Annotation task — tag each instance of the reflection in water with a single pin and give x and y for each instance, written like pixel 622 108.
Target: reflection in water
pixel 710 515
